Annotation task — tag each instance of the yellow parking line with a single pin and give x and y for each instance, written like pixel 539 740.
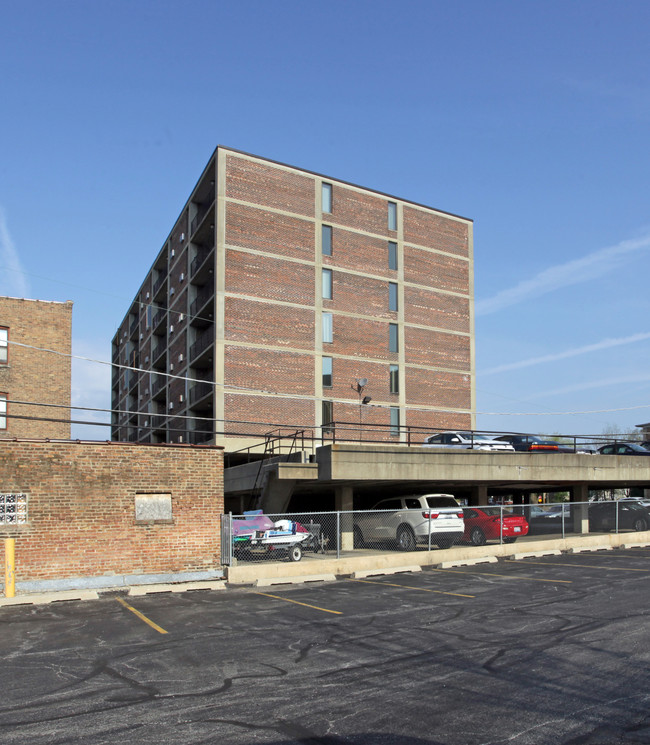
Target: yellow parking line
pixel 288 600
pixel 141 616
pixel 409 587
pixel 581 566
pixel 501 576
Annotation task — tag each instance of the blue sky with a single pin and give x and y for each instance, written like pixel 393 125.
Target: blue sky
pixel 531 118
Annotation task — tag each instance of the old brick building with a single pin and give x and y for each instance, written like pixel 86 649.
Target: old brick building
pixel 35 367
pixel 276 290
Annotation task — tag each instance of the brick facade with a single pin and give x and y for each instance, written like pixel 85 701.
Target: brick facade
pixel 33 374
pixel 246 314
pixel 81 509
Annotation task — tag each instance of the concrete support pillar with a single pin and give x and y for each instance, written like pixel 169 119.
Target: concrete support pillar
pixel 344 503
pixel 580 493
pixel 479 495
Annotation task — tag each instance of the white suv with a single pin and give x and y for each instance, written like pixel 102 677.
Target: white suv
pixel 410 520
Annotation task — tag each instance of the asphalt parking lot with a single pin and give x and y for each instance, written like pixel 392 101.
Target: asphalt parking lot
pixel 552 649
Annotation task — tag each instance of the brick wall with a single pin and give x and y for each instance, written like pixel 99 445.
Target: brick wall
pixel 81 499
pixel 31 374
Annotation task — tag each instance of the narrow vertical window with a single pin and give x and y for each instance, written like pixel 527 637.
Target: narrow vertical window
pixel 326 194
pixel 3 411
pixel 328 331
pixel 392 216
pixel 4 346
pixel 327 284
pixel 328 416
pixel 392 255
pixel 394 421
pixel 392 296
pixel 393 340
pixel 394 379
pixel 326 235
pixel 327 372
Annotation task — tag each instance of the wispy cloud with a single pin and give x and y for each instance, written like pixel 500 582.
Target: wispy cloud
pixel 585 386
pixel 589 267
pixel 12 278
pixel 575 352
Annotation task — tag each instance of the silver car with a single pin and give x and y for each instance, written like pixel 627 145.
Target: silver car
pixel 407 521
pixel 467 441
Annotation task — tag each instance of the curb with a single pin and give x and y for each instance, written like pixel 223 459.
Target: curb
pixel 469 562
pixel 586 549
pixel 45 598
pixel 268 581
pixel 534 554
pixel 186 587
pixel 361 573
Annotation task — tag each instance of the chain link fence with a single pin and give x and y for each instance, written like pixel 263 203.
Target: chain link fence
pixel 255 536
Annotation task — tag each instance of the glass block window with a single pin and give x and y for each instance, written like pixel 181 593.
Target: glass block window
pixel 13 509
pixel 3 411
pixel 327 240
pixel 392 255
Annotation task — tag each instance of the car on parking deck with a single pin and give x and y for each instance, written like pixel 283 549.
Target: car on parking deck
pixel 623 448
pixel 492 523
pixel 407 521
pixel 534 444
pixel 467 441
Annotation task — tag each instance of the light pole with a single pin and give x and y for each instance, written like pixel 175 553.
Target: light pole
pixel 358 386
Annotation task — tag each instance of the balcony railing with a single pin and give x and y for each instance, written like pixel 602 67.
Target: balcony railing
pixel 203 342
pixel 160 282
pixel 157 385
pixel 198 260
pixel 204 296
pixel 200 390
pixel 159 317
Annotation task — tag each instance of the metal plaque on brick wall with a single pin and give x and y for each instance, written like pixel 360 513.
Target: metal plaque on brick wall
pixel 153 507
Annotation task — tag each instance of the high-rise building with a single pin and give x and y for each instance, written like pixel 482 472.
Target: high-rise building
pixel 277 292
pixel 35 368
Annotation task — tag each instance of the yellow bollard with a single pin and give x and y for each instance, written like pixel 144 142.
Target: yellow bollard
pixel 10 568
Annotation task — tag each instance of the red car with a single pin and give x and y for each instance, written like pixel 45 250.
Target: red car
pixel 492 523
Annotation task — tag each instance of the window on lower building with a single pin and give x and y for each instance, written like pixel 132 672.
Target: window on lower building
pixel 327 416
pixel 392 255
pixel 394 421
pixel 326 194
pixel 326 240
pixel 327 372
pixel 4 346
pixel 392 216
pixel 13 509
pixel 328 331
pixel 392 296
pixel 394 379
pixel 393 338
pixel 3 411
pixel 327 284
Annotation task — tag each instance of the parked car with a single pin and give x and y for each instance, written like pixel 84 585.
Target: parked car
pixel 549 518
pixel 627 515
pixel 492 523
pixel 409 520
pixel 466 441
pixel 623 448
pixel 534 444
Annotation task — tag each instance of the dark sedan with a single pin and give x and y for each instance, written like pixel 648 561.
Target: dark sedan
pixel 533 444
pixel 609 516
pixel 623 448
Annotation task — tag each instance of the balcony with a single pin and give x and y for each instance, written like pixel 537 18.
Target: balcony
pixel 200 391
pixel 159 318
pixel 203 297
pixel 199 260
pixel 158 387
pixel 202 211
pixel 162 279
pixel 198 437
pixel 203 342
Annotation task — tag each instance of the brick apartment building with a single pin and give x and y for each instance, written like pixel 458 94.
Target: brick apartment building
pixel 276 290
pixel 29 373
